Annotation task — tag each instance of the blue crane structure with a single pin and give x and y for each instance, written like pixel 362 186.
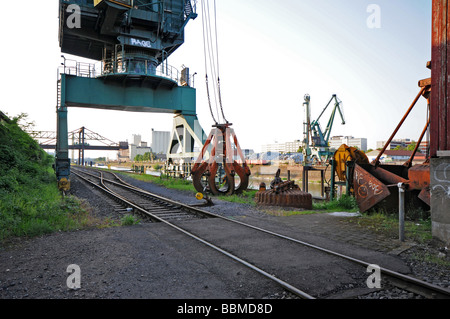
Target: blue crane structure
pixel 131 41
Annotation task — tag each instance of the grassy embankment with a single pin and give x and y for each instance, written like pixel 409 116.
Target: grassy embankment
pixel 30 202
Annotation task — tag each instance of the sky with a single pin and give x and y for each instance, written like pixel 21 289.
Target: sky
pixel 271 53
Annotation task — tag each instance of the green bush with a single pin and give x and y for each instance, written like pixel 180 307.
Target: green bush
pixel 129 220
pixel 30 202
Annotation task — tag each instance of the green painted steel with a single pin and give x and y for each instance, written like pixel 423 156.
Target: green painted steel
pixel 132 44
pixel 95 93
pixel 62 160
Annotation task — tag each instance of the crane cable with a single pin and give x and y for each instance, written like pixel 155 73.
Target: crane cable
pixel 212 57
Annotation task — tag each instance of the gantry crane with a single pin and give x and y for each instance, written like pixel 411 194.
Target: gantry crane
pixel 131 41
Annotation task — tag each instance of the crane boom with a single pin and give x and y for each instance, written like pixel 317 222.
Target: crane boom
pixel 337 106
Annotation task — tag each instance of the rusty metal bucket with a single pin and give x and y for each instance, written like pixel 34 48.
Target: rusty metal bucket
pixel 378 186
pixel 221 174
pixel 283 194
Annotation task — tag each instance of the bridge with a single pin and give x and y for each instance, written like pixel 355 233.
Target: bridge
pixel 79 138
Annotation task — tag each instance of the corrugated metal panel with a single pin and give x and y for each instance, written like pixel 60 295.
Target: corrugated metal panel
pixel 440 109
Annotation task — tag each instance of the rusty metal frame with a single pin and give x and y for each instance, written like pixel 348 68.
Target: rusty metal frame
pixel 440 57
pixel 376 162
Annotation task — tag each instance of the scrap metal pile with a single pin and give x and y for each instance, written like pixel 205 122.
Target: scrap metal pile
pixel 283 194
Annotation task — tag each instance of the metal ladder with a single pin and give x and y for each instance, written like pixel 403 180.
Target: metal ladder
pixel 58 94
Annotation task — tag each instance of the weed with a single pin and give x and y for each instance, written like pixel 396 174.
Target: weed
pixel 388 225
pixel 129 220
pixel 247 197
pixel 343 203
pixel 173 183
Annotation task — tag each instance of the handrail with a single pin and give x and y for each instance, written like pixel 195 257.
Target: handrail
pixel 127 66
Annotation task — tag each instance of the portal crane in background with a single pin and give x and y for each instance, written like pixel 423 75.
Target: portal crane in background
pixel 315 141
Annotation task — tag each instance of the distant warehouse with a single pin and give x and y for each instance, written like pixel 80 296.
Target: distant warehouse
pixel 160 141
pixel 337 141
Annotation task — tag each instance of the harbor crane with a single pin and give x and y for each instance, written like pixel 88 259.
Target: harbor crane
pixel 316 149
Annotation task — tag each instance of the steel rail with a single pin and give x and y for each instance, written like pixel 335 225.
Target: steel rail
pixel 282 283
pixel 427 289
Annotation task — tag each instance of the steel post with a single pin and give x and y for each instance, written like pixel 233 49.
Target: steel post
pixel 333 167
pixel 62 161
pixel 440 82
pixel 401 211
pixel 440 121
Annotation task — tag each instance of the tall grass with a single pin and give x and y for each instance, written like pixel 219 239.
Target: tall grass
pixel 40 209
pixel 345 202
pixel 30 202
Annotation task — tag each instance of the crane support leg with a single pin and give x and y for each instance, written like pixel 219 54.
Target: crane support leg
pixel 62 161
pixel 186 132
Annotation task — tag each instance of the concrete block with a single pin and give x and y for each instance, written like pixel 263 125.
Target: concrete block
pixel 440 198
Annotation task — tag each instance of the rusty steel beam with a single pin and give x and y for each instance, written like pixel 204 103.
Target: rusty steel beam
pixel 440 55
pixel 376 162
pixel 408 163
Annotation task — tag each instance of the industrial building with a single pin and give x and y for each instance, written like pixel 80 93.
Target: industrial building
pixel 337 141
pixel 160 141
pixel 124 152
pixel 138 147
pixel 403 143
pixel 288 147
pixel 395 156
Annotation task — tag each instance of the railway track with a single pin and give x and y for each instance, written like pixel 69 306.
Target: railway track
pixel 159 209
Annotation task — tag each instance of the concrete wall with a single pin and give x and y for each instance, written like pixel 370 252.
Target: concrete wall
pixel 440 198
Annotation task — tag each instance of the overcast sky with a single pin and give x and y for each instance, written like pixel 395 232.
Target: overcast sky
pixel 271 54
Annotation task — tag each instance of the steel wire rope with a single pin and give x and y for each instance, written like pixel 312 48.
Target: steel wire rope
pixel 213 62
pixel 218 68
pixel 212 57
pixel 206 49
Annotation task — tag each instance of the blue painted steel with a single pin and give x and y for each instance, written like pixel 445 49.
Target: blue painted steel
pixel 133 44
pixel 95 93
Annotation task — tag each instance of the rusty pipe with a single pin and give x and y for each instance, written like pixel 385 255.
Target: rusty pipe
pixel 408 163
pixel 376 162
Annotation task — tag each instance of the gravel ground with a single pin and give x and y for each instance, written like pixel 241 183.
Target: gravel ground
pixel 417 257
pixel 37 268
